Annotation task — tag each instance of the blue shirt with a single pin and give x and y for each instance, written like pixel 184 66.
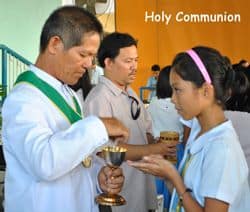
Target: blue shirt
pixel 217 167
pixel 151 83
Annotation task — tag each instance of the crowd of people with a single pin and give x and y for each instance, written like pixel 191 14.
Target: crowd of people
pixel 60 114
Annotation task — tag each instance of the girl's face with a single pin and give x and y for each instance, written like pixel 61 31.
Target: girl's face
pixel 187 98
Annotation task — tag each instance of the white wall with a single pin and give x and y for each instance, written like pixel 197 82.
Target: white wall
pixel 21 22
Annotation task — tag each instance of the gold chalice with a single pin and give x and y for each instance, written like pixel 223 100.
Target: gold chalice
pixel 114 156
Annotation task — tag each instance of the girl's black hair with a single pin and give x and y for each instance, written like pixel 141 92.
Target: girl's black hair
pixel 84 84
pixel 163 88
pixel 240 97
pixel 219 69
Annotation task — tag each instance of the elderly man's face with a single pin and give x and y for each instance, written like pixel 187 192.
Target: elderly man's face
pixel 75 61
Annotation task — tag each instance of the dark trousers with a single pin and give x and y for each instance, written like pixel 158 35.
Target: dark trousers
pixel 104 208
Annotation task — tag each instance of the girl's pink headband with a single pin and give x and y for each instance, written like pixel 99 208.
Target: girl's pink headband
pixel 199 64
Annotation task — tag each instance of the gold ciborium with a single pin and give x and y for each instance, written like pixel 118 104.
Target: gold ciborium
pixel 114 156
pixel 170 137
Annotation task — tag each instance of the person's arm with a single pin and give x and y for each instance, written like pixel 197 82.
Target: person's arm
pixel 136 152
pixel 116 129
pixel 151 139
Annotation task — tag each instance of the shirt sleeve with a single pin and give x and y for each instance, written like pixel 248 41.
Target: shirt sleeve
pixel 98 163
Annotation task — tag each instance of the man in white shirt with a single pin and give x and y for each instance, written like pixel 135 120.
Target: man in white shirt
pixel 44 136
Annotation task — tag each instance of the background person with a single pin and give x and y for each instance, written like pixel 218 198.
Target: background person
pixel 95 72
pixel 152 80
pixel 114 97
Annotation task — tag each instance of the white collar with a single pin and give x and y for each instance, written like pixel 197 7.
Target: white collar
pixel 55 83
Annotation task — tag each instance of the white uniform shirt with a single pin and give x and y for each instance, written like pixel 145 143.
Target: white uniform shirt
pixel 241 121
pixel 217 167
pixel 44 151
pixel 164 117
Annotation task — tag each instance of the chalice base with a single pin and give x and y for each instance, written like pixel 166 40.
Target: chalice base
pixel 110 199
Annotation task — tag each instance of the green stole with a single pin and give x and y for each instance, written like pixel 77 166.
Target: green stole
pixel 56 99
pixel 53 95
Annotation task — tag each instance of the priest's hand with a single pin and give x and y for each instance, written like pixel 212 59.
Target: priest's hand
pixel 116 130
pixel 111 180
